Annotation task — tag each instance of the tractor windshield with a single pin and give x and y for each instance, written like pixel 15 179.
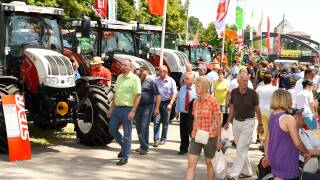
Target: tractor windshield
pixel 33 30
pixel 117 42
pixel 199 53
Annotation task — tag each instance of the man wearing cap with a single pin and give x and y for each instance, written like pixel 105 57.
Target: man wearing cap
pixel 97 70
pixel 304 100
pixel 123 108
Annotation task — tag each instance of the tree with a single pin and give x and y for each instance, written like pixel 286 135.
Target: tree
pixel 125 11
pixel 209 35
pixel 194 25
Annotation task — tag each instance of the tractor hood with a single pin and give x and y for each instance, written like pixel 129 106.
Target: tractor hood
pixel 176 60
pixel 53 69
pixel 136 62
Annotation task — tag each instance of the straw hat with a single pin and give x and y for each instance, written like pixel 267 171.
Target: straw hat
pixel 96 60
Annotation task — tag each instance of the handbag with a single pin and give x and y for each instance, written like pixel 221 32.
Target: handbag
pixel 202 136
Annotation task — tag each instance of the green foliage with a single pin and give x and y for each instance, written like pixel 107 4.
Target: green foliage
pixel 194 25
pixel 176 18
pixel 209 35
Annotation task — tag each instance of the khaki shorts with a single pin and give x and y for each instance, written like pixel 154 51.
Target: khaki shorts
pixel 209 149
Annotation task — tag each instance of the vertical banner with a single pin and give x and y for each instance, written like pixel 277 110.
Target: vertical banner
pixel 259 32
pixel 17 127
pixel 112 15
pixel 268 34
pixel 279 44
pixel 222 12
pixel 101 7
pixel 137 5
pixel 239 15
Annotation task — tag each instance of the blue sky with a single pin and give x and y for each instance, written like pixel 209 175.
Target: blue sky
pixel 303 15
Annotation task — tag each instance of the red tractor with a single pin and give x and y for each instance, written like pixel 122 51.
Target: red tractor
pixel 199 53
pixel 32 64
pixel 113 41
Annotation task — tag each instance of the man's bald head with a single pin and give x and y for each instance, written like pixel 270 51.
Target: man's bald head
pixel 163 72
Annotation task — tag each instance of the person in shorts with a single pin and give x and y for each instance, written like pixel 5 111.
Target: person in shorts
pixel 207 117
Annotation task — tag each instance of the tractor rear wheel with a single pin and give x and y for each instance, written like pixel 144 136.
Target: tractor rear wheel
pixel 92 124
pixel 5 90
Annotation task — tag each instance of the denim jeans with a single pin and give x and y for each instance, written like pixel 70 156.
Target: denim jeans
pixel 143 118
pixel 119 116
pixel 165 115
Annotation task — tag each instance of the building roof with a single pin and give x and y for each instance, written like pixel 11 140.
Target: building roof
pixel 298 33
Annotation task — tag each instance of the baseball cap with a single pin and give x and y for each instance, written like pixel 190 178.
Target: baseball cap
pixel 202 67
pixel 295 111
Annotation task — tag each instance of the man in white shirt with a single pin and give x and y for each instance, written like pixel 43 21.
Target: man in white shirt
pixel 234 68
pixel 304 100
pixel 308 75
pixel 265 93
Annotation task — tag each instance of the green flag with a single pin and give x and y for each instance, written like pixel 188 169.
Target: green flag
pixel 239 15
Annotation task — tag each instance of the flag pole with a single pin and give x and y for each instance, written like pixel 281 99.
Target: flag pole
pixel 163 34
pixel 222 49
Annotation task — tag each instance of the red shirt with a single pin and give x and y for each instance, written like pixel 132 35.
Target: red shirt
pixel 102 72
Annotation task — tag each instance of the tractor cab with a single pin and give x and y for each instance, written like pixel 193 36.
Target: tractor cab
pixel 148 42
pixel 114 42
pixel 198 53
pixel 26 26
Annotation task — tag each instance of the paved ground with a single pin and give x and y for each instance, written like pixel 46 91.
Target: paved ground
pixel 67 159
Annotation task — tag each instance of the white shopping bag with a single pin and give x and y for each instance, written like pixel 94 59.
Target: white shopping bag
pixel 220 165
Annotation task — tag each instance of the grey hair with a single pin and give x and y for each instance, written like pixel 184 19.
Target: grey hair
pixel 242 75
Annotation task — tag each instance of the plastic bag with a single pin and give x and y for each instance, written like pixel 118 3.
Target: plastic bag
pixel 220 165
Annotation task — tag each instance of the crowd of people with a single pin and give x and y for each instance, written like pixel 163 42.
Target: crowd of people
pixel 281 100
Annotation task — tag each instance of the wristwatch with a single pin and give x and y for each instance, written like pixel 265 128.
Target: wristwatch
pixel 133 110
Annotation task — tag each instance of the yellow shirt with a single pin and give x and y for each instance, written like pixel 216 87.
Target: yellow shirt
pixel 220 90
pixel 127 88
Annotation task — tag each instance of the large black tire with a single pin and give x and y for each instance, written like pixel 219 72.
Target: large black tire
pixel 5 90
pixel 92 125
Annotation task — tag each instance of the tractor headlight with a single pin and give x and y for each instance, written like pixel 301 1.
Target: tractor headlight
pixel 52 81
pixel 71 80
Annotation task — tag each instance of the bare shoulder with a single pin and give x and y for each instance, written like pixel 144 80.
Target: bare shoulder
pixel 286 122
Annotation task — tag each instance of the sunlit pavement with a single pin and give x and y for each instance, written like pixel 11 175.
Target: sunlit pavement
pixel 69 159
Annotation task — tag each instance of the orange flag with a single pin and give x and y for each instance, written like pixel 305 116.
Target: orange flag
pixel 156 7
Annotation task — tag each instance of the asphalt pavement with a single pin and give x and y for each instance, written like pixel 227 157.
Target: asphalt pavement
pixel 68 159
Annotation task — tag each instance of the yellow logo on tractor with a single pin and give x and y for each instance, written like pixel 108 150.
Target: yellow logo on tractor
pixel 62 108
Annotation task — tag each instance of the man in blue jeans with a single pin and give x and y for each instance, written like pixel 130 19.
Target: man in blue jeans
pixel 150 101
pixel 123 109
pixel 168 93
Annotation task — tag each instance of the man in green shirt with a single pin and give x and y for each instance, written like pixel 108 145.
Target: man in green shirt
pixel 123 109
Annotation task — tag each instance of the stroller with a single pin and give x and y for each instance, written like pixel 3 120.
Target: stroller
pixel 265 173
